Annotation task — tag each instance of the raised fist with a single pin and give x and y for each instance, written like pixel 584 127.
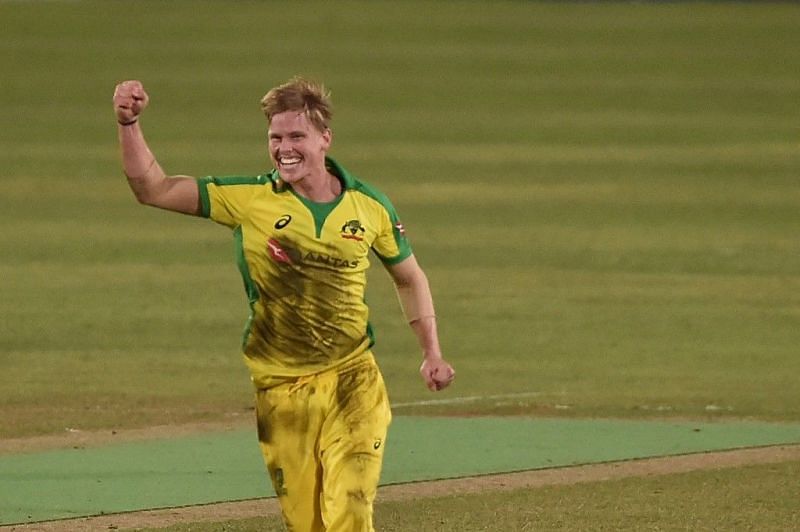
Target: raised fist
pixel 130 99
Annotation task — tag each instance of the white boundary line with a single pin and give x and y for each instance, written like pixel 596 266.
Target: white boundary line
pixel 462 400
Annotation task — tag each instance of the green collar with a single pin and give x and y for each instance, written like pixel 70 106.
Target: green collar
pixel 319 211
pixel 339 171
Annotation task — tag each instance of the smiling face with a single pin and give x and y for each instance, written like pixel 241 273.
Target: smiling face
pixel 297 147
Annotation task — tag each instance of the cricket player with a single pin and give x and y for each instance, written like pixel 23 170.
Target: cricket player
pixel 303 233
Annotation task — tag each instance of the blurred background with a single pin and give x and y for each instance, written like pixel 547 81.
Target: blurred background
pixel 604 196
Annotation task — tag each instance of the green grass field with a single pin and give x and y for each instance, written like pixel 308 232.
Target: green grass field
pixel 605 199
pixel 737 499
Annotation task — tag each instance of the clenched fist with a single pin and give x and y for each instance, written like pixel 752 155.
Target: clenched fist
pixel 130 99
pixel 437 373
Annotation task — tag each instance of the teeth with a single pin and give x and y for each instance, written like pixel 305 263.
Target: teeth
pixel 289 160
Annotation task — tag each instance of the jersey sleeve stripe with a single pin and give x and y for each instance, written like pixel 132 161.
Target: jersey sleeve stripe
pixel 205 202
pixel 405 252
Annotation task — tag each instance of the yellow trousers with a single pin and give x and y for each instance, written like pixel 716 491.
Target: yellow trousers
pixel 322 437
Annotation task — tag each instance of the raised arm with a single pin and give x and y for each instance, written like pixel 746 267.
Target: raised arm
pixel 148 181
pixel 417 303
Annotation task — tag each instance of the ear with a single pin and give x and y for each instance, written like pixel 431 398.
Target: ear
pixel 327 137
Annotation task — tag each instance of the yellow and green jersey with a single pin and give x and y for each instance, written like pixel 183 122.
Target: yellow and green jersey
pixel 304 268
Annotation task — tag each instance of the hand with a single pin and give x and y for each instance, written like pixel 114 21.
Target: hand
pixel 437 373
pixel 130 100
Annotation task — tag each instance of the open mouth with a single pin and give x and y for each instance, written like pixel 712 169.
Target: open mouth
pixel 289 162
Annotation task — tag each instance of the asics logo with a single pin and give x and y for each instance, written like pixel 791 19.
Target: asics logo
pixel 283 221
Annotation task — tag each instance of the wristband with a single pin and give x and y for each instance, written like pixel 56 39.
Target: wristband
pixel 128 123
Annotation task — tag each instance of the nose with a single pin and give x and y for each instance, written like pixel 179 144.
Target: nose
pixel 285 146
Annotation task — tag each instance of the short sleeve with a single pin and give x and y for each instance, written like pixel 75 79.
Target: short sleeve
pixel 391 244
pixel 225 200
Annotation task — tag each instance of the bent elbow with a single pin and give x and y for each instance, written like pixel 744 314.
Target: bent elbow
pixel 143 195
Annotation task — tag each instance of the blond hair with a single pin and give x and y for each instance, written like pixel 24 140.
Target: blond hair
pixel 300 94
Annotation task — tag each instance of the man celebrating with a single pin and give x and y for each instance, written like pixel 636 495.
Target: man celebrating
pixel 303 234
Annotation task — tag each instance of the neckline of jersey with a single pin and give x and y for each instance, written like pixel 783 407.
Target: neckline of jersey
pixel 321 211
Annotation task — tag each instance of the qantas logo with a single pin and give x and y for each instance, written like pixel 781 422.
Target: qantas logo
pixel 400 228
pixel 285 255
pixel 277 253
